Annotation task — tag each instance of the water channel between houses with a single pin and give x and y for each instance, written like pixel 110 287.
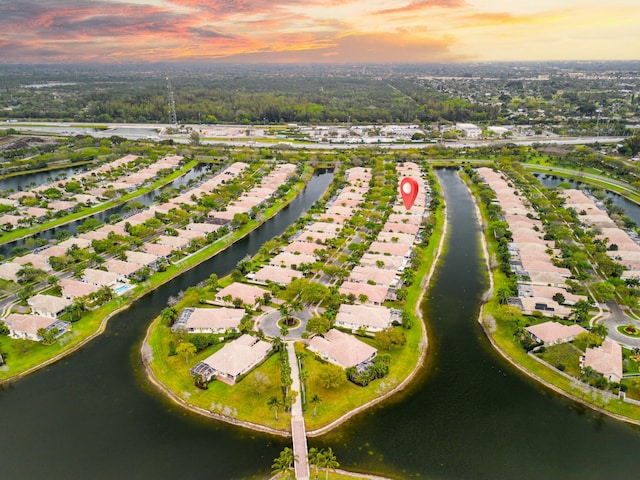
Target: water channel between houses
pixel 146 199
pixel 468 415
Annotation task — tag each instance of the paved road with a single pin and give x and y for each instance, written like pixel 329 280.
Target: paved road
pixel 268 322
pixel 619 318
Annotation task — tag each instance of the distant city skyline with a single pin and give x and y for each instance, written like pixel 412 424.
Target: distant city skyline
pixel 328 31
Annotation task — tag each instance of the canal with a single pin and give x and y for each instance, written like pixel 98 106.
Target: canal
pixel 7 249
pixel 632 209
pixel 93 415
pixel 468 415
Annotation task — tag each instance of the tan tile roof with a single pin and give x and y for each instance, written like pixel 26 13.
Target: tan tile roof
pixel 239 356
pixel 606 359
pixel 368 316
pixel 342 348
pixel 75 288
pixel 247 293
pixel 279 275
pixel 30 324
pixel 48 303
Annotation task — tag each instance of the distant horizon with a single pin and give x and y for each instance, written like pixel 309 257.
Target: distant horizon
pixel 340 32
pixel 205 63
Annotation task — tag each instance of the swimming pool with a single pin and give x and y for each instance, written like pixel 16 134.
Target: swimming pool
pixel 120 289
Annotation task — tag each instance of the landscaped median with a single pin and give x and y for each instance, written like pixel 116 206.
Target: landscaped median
pixel 24 357
pixel 248 402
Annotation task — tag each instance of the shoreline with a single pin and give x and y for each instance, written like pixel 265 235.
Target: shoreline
pixel 130 300
pixel 340 420
pixel 423 351
pixel 488 334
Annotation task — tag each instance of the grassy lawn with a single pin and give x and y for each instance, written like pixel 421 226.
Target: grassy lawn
pixel 21 358
pixel 564 355
pixel 241 401
pixel 22 355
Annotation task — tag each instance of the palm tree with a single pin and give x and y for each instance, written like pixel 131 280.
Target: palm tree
pixel 329 462
pixel 284 463
pixel 274 403
pixel 277 343
pixel 503 295
pixel 315 400
pixel 284 330
pixel 315 459
pixel 296 305
pixel 600 329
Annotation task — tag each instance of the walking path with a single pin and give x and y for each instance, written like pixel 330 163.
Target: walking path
pixel 298 431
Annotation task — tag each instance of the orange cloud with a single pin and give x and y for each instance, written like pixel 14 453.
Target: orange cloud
pixel 422 5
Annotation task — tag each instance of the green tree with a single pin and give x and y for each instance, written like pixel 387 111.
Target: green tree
pixel 168 315
pixel 48 335
pixel 283 465
pixel 329 462
pixel 601 330
pixel 25 293
pixel 284 330
pixel 186 350
pixel 390 338
pixel 275 404
pixel 503 294
pixel 332 376
pixel 315 401
pixel 581 311
pixel 315 459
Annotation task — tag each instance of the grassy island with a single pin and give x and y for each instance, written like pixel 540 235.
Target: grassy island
pixel 327 403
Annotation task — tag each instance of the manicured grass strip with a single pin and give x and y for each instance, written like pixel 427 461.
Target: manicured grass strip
pixel 87 212
pixel 24 356
pixel 596 179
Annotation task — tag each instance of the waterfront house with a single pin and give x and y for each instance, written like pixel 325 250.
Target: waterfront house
pixel 72 288
pixel 371 294
pixel 342 349
pixel 208 320
pixel 606 359
pixel 236 358
pixel 372 318
pixel 551 333
pixel 100 277
pixel 26 326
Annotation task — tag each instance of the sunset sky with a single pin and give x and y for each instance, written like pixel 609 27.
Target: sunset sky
pixel 352 31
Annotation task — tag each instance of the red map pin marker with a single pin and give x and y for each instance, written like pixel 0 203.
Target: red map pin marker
pixel 409 191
